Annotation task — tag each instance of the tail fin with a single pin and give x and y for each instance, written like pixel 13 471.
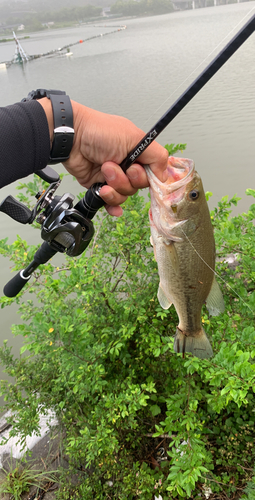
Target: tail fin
pixel 198 345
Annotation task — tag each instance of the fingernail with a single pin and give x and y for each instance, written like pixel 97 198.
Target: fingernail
pixel 132 173
pixel 109 173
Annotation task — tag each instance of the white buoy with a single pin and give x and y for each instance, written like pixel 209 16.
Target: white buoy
pixel 3 66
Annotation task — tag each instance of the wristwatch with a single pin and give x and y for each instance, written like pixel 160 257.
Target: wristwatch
pixel 63 122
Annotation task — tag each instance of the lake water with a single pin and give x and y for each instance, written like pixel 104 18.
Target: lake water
pixel 138 73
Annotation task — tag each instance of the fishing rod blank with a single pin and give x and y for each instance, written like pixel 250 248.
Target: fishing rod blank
pixel 92 201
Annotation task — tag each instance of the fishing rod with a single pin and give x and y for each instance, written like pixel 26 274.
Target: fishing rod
pixel 68 229
pixel 92 201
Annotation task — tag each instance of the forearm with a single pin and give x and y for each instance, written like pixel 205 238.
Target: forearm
pixel 25 142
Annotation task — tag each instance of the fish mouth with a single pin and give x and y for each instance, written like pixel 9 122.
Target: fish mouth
pixel 166 197
pixel 180 172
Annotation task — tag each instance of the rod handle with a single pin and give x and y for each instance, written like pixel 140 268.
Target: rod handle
pixel 15 285
pixel 92 202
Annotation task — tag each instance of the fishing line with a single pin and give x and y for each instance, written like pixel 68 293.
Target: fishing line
pixel 200 64
pixel 214 272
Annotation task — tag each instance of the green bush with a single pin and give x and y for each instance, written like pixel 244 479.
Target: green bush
pixel 139 420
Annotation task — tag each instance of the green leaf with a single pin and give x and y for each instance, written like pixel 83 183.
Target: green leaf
pixel 208 195
pixel 155 410
pixel 23 348
pixel 250 192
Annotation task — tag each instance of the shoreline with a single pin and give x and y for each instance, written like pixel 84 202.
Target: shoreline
pixel 12 449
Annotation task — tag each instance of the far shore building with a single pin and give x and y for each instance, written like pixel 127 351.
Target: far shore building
pixel 49 24
pixel 106 11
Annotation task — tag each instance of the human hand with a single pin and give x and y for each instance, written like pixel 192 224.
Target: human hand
pixel 101 142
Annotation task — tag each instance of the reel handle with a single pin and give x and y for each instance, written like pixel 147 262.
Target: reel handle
pixel 16 210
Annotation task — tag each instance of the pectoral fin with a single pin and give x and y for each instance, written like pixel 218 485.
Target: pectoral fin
pixel 162 298
pixel 215 302
pixel 173 256
pixel 154 248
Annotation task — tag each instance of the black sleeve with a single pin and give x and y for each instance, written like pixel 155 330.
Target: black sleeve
pixel 24 141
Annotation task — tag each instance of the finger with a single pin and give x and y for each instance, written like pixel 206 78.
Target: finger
pixel 137 176
pixel 111 197
pixel 157 158
pixel 117 179
pixel 114 211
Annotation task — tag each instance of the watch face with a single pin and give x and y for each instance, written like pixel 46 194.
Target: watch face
pixel 40 93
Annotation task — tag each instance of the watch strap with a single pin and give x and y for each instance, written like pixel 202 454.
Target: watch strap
pixel 63 128
pixel 63 122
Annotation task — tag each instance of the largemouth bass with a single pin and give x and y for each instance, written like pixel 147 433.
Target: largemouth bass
pixel 184 248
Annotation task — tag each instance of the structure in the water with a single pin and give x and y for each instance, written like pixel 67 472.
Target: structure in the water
pixel 20 55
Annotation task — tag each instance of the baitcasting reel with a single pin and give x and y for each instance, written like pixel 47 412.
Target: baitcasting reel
pixel 64 228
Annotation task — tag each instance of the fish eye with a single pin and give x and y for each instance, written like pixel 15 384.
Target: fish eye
pixel 193 195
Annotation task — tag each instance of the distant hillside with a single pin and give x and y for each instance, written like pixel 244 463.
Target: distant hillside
pixel 48 5
pixel 36 14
